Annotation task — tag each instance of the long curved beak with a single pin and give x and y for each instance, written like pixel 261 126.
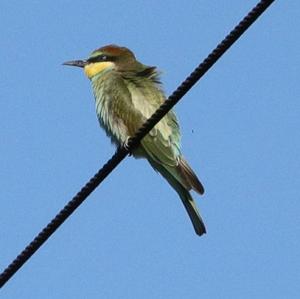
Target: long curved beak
pixel 78 63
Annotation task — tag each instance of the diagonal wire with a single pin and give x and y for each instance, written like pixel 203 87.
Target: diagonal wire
pixel 133 142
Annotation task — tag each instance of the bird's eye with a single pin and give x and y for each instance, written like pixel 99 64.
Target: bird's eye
pixel 98 58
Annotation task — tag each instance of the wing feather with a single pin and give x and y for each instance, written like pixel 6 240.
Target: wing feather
pixel 163 142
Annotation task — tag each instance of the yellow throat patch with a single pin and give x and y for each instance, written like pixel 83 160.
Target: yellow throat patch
pixel 93 69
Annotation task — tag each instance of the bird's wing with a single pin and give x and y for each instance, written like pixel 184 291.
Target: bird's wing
pixel 163 142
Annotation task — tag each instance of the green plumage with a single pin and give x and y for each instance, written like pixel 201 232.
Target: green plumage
pixel 126 94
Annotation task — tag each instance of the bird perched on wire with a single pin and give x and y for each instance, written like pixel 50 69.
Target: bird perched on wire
pixel 127 93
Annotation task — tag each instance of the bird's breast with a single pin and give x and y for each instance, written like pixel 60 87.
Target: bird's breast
pixel 107 110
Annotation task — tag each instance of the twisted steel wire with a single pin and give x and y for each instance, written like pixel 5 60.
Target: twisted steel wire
pixel 133 142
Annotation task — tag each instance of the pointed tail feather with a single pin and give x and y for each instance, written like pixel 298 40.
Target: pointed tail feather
pixel 184 194
pixel 192 210
pixel 190 207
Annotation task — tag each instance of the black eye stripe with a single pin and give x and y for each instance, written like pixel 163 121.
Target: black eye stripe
pixel 100 58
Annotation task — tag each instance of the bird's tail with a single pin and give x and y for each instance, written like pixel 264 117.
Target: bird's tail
pixel 191 208
pixel 180 181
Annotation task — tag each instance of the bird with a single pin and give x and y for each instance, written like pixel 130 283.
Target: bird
pixel 126 94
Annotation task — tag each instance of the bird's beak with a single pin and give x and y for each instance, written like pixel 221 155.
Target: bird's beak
pixel 78 63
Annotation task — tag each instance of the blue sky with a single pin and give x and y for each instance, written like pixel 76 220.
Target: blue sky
pixel 132 237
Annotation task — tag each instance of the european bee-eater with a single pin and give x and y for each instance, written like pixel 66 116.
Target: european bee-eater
pixel 127 93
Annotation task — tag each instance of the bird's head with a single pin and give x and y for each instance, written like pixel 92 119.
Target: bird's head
pixel 107 57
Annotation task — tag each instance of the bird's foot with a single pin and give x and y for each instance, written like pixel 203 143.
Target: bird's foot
pixel 126 146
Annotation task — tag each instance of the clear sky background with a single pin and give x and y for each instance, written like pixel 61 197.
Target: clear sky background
pixel 132 237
